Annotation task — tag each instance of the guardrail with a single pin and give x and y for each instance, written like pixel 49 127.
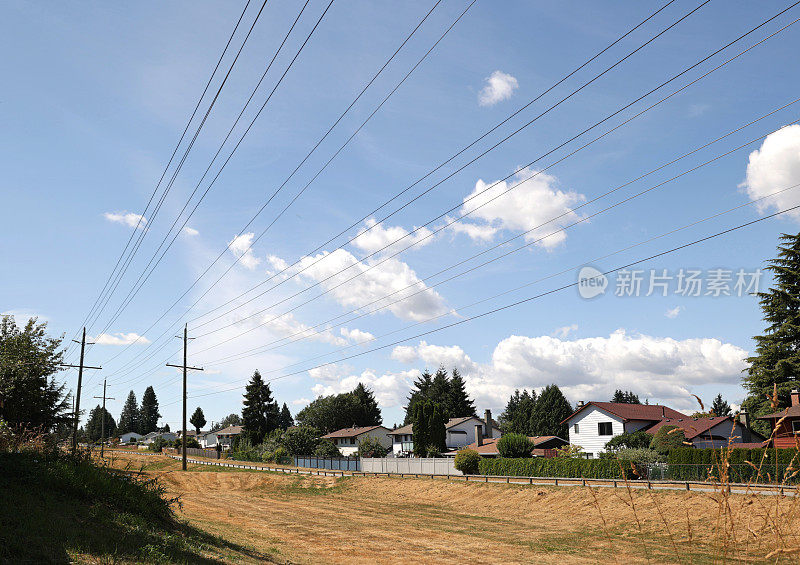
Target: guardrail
pixel 700 486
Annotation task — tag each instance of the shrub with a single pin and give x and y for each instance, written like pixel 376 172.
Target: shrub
pixel 639 455
pixel 514 445
pixel 434 451
pixel 690 464
pixel 468 461
pixel 158 444
pixel 190 442
pixel 570 451
pixel 371 447
pixel 567 467
pixel 667 438
pixel 326 448
pixel 301 440
pixel 281 456
pixel 635 440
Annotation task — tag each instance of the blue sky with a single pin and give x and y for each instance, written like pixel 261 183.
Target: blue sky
pixel 96 96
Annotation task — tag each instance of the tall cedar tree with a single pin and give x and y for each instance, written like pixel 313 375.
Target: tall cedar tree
pixel 94 428
pixel 449 392
pixel 148 413
pixel 285 421
pixel 367 411
pixel 29 395
pixel 129 417
pixel 551 408
pixel 719 407
pixel 198 419
pixel 776 362
pixel 428 428
pixel 518 416
pixel 625 397
pixel 260 413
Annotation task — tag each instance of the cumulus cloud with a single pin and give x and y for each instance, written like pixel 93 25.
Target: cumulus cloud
pixel 776 166
pixel 499 86
pixel 240 247
pixel 564 331
pixel 126 218
pixel 591 368
pixel 356 335
pixel 120 339
pixel 390 388
pixel 531 203
pixel 190 231
pixel 673 312
pixel 288 326
pixel 374 237
pixel 476 232
pixel 388 277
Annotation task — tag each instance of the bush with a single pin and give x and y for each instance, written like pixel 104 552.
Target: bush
pixel 639 455
pixel 668 438
pixel 434 451
pixel 690 464
pixel 468 461
pixel 301 440
pixel 326 448
pixel 514 445
pixel 635 440
pixel 158 444
pixel 190 442
pixel 566 467
pixel 371 447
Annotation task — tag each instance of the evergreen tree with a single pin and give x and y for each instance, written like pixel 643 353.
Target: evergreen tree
pixel 625 397
pixel 93 428
pixel 260 414
pixel 551 408
pixel 29 395
pixel 418 394
pixel 148 413
pixel 518 415
pixel 367 411
pixel 286 421
pixel 776 362
pixel 129 417
pixel 428 428
pixel 165 429
pixel 719 407
pixel 229 420
pixel 198 420
pixel 459 403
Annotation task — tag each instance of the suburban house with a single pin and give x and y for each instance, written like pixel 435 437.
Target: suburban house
pixel 789 429
pixel 594 423
pixel 226 436
pixel 543 446
pixel 459 433
pixel 348 439
pixel 714 431
pixel 208 439
pixel 151 437
pixel 130 437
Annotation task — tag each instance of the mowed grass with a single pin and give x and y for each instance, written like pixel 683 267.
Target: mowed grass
pixel 316 519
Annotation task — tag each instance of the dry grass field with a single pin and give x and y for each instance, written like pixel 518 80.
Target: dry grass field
pixel 296 519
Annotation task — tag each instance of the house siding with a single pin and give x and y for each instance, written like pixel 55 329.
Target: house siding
pixel 465 433
pixel 588 436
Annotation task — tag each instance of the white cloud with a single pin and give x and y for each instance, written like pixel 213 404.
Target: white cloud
pixel 190 231
pixel 673 312
pixel 287 325
pixel 120 339
pixel 564 331
pixel 390 389
pixel 499 86
pixel 776 166
pixel 529 205
pixel 356 335
pixel 380 236
pixel 591 368
pixel 240 247
pixel 390 276
pixel 477 232
pixel 300 402
pixel 126 218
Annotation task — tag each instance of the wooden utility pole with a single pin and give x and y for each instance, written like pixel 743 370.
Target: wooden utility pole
pixel 185 367
pixel 103 419
pixel 80 368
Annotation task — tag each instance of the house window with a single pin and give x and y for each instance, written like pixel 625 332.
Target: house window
pixel 604 428
pixel 575 428
pixel 796 426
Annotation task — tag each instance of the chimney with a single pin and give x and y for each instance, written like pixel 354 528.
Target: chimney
pixel 745 423
pixel 478 435
pixel 580 404
pixel 795 394
pixel 488 421
pixel 663 412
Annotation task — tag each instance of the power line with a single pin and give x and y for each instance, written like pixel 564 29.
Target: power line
pixel 163 174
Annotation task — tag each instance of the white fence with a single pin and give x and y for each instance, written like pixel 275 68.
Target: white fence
pixel 410 465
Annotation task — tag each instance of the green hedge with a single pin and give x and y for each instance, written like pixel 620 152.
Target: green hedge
pixel 566 467
pixel 689 464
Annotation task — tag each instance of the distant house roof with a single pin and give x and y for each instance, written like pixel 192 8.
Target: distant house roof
pixel 648 412
pixel 404 430
pixel 489 446
pixel 229 431
pixel 791 411
pixel 352 432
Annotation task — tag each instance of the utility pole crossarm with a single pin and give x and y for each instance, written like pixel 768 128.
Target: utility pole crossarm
pixel 80 368
pixel 185 367
pixel 188 368
pixel 103 420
